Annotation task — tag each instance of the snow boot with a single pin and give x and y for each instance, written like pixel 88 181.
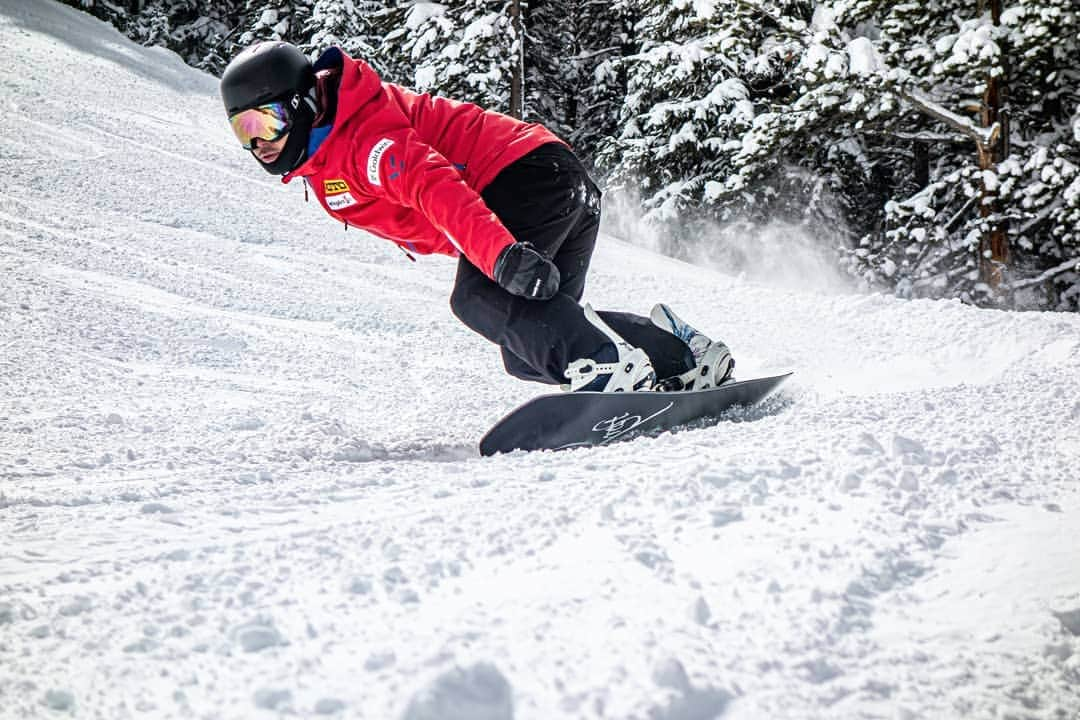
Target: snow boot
pixel 713 363
pixel 616 367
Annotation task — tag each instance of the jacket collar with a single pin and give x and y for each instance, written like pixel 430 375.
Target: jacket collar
pixel 359 85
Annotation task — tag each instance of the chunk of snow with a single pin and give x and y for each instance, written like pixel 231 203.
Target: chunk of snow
pixel 863 58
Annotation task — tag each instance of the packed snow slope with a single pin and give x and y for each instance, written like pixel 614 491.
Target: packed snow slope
pixel 239 477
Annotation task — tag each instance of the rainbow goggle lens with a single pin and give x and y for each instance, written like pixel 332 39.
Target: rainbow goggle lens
pixel 267 123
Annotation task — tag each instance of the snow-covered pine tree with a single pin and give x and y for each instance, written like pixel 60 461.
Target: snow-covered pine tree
pixel 152 24
pixel 117 12
pixel 942 56
pixel 194 29
pixel 705 71
pixel 1040 181
pixel 671 139
pixel 605 37
pixel 551 73
pixel 378 20
pixel 932 239
pixel 575 84
pixel 220 39
pixel 816 152
pixel 275 20
pixel 350 24
pixel 197 30
pixel 464 49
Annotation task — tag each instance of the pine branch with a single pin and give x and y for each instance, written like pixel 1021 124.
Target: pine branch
pixel 1041 216
pixel 926 136
pixel 1071 264
pixel 947 275
pixel 595 53
pixel 983 137
pixel 962 213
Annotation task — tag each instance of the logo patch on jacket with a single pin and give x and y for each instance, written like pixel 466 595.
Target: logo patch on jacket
pixel 340 201
pixel 335 187
pixel 373 159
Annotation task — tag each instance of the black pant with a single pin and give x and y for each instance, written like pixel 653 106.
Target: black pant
pixel 548 200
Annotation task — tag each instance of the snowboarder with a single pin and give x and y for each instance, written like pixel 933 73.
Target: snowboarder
pixel 435 175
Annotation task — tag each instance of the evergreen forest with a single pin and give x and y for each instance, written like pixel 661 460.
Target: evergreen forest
pixel 931 148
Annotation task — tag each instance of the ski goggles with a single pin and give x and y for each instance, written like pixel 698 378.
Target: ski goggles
pixel 267 123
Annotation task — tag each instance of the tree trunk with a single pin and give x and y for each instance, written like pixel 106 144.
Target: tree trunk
pixel 994 246
pixel 921 159
pixel 517 76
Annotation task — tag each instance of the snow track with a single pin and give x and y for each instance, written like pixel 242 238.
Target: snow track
pixel 238 473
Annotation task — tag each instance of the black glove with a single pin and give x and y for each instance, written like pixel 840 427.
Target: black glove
pixel 522 271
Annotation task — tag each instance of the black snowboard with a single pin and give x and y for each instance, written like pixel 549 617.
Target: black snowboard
pixel 568 420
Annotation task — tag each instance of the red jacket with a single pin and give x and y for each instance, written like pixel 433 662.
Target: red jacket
pixel 410 167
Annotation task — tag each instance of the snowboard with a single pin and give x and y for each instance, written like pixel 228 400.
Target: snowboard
pixel 581 419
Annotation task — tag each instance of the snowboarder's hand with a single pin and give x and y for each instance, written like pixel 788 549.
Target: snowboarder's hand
pixel 522 271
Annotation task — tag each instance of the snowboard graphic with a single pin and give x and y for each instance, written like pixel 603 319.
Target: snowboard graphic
pixel 568 420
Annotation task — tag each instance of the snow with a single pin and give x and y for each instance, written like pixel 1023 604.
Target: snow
pixel 863 59
pixel 704 9
pixel 420 12
pixel 482 27
pixel 816 56
pixel 425 77
pixel 975 41
pixel 238 474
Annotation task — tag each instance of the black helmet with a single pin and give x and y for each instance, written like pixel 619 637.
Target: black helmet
pixel 268 72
